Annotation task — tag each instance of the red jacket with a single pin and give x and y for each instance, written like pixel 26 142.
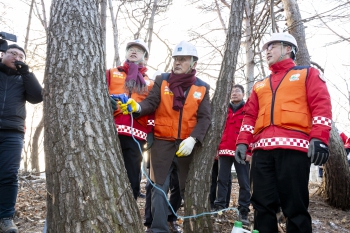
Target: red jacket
pixel 234 120
pixel 343 137
pixel 273 137
pixel 141 126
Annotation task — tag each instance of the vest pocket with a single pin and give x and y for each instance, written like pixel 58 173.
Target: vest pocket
pixel 292 118
pixel 259 124
pixel 164 129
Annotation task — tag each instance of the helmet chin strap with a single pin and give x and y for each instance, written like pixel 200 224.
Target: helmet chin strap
pixel 282 54
pixel 190 68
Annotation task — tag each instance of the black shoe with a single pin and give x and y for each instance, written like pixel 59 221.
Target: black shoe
pixel 141 195
pixel 174 227
pixel 243 216
pixel 148 229
pixel 8 226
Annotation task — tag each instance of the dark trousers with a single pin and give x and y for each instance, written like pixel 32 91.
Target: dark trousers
pixel 280 178
pixel 132 160
pixel 242 170
pixel 174 199
pixel 11 144
pixel 213 186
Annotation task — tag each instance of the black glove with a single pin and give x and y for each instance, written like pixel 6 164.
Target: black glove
pixel 113 103
pixel 318 152
pixel 241 152
pixel 150 139
pixel 22 67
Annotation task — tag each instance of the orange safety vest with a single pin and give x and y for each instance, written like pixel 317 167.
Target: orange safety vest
pixel 287 106
pixel 116 86
pixel 171 124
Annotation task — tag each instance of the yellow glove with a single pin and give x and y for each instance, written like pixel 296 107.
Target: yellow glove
pixel 130 106
pixel 186 147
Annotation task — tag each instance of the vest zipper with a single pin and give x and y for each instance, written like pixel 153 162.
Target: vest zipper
pixel 180 125
pixel 274 96
pixel 180 117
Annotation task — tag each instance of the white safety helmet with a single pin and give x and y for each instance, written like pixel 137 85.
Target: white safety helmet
pixel 185 48
pixel 281 37
pixel 138 42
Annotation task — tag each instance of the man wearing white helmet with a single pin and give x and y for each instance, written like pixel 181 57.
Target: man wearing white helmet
pixel 288 119
pixel 131 79
pixel 182 116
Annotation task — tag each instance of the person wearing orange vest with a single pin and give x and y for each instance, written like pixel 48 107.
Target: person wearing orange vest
pixel 288 119
pixel 131 79
pixel 182 117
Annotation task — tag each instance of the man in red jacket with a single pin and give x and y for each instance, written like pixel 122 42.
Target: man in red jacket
pixel 226 154
pixel 288 119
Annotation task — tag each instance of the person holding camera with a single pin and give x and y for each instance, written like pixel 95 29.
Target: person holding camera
pixel 17 85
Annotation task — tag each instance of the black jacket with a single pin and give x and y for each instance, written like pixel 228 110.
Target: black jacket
pixel 15 90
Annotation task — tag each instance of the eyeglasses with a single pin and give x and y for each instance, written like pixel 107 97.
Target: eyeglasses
pixel 271 46
pixel 238 91
pixel 135 50
pixel 14 54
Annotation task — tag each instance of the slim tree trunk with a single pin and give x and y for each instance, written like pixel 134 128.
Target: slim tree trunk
pixel 35 146
pixel 151 24
pixel 116 60
pixel 28 25
pixel 88 189
pixel 250 64
pixel 198 180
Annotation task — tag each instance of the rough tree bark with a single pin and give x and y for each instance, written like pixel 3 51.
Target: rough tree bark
pixel 198 181
pixel 336 185
pixel 296 28
pixel 88 189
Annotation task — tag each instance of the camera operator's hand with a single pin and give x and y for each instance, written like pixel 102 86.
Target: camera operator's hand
pixel 22 67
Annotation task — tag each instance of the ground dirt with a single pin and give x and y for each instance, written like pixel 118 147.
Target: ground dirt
pixel 31 210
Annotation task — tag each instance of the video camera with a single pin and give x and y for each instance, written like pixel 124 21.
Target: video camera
pixel 6 36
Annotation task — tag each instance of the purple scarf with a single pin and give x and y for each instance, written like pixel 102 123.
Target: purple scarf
pixel 178 84
pixel 134 79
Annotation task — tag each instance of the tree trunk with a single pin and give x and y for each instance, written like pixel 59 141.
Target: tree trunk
pixel 103 17
pixel 35 146
pixel 198 180
pixel 296 28
pixel 88 189
pixel 151 24
pixel 336 186
pixel 116 60
pixel 250 64
pixel 28 26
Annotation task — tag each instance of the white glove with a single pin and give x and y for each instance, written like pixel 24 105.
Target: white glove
pixel 186 147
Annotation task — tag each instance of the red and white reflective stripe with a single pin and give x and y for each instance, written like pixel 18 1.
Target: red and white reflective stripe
pixel 319 120
pixel 294 142
pixel 127 129
pixel 227 152
pixel 150 122
pixel 248 128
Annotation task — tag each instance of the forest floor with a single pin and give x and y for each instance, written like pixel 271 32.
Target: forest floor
pixel 31 209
